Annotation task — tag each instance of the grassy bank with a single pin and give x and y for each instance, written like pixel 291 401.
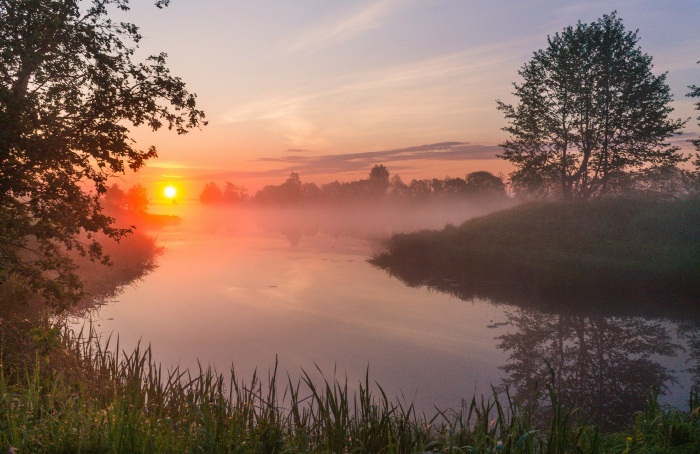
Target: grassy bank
pixel 79 397
pixel 624 249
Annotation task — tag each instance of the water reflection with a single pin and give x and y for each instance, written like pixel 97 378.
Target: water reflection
pixel 24 316
pixel 602 355
pixel 243 287
pixel 603 365
pixel 689 332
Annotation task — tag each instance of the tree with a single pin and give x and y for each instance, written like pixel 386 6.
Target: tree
pixel 234 194
pixel 134 200
pixel 485 183
pixel 69 91
pixel 288 193
pixel 399 189
pixel 695 93
pixel 114 199
pixel 590 114
pixel 211 193
pixel 137 199
pixel 378 182
pixel 419 189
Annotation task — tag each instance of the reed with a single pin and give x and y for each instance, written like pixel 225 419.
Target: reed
pixel 85 395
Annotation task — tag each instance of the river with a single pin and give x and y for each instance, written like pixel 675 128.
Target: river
pixel 246 289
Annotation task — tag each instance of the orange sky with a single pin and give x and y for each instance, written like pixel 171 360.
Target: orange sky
pixel 328 89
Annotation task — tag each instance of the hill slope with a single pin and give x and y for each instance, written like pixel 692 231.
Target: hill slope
pixel 608 248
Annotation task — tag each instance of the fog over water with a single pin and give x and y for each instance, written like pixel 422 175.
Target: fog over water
pixel 247 287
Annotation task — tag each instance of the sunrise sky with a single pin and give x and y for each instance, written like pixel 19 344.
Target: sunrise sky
pixel 330 88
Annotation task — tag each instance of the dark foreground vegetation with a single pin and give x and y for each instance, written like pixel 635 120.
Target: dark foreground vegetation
pixel 579 252
pixel 78 396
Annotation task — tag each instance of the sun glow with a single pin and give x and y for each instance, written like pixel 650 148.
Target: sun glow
pixel 170 192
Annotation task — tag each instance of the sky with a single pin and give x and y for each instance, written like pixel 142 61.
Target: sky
pixel 330 88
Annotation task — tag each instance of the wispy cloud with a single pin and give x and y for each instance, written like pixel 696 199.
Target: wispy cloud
pixel 426 95
pixel 160 164
pixel 353 162
pixel 467 66
pixel 371 14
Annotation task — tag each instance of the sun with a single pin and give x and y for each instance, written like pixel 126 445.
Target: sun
pixel 170 192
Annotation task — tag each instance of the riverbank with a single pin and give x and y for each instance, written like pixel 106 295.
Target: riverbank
pixel 575 253
pixel 79 397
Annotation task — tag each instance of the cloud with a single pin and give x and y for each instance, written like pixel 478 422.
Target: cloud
pixel 159 164
pixel 381 89
pixel 371 15
pixel 353 162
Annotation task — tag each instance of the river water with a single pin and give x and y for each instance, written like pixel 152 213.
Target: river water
pixel 247 289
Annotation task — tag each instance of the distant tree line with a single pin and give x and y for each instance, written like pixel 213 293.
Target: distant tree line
pixel 133 200
pixel 231 194
pixel 379 186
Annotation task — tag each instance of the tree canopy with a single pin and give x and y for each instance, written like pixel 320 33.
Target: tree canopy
pixel 590 114
pixel 70 89
pixel 379 187
pixel 695 93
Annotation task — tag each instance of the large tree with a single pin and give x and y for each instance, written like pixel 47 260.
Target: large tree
pixel 695 93
pixel 70 89
pixel 590 114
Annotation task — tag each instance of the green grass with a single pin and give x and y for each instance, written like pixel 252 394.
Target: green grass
pixel 624 249
pixel 81 395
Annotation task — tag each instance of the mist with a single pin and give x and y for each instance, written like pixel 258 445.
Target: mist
pixel 373 221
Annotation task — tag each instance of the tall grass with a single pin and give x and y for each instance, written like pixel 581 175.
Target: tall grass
pixel 84 395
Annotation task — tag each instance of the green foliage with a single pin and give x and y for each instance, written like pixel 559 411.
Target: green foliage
pixel 695 93
pixel 581 251
pixel 99 399
pixel 590 114
pixel 69 90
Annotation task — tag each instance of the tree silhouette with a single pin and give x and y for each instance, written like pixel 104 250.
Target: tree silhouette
pixel 69 90
pixel 234 194
pixel 485 183
pixel 590 114
pixel 211 193
pixel 695 93
pixel 136 198
pixel 378 180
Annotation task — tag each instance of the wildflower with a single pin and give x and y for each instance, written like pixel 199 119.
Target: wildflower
pixel 627 447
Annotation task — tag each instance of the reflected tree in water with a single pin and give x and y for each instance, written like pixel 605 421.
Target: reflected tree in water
pixel 603 365
pixel 689 333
